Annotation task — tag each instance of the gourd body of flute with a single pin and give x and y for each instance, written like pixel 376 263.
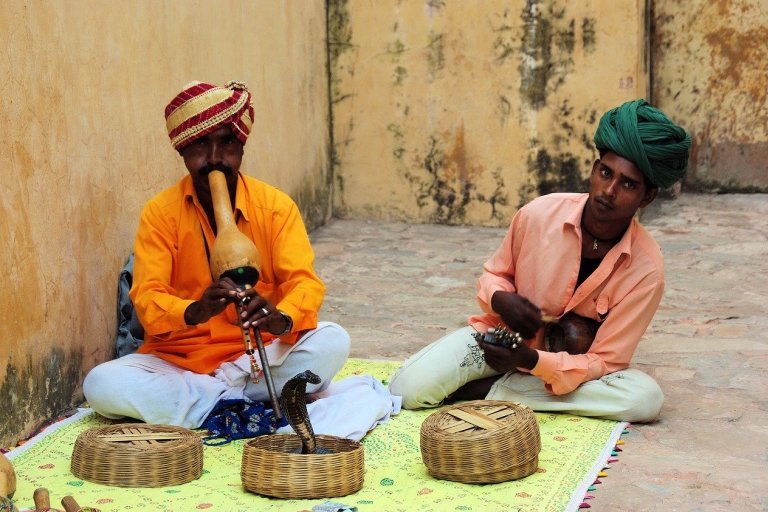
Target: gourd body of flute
pixel 233 254
pixel 7 477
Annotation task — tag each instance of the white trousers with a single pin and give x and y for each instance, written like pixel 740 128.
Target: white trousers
pixel 147 388
pixel 429 376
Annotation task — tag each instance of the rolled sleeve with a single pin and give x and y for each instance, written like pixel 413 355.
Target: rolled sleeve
pixel 499 271
pixel 301 291
pixel 613 347
pixel 157 303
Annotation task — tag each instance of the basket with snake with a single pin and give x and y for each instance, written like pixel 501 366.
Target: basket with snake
pixel 301 465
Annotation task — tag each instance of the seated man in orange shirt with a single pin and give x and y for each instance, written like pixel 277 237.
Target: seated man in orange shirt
pixel 193 353
pixel 583 254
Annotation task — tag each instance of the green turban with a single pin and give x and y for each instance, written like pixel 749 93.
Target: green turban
pixel 645 136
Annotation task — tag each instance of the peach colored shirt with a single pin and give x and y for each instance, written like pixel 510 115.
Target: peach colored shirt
pixel 171 271
pixel 539 259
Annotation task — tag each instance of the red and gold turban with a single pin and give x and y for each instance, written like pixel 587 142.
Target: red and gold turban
pixel 203 108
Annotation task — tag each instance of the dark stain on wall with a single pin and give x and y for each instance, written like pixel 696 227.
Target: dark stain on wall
pixel 728 94
pixel 565 40
pixel 588 39
pixel 739 164
pixel 396 50
pixel 397 134
pixel 448 197
pixel 314 199
pixel 498 199
pixel 339 37
pixel 34 392
pixel 339 28
pixel 339 41
pixel 435 54
pixel 559 172
pixel 535 67
pixel 548 43
pixel 448 186
pixel 503 109
pixel 553 166
pixel 336 177
pixel 505 45
pixel 736 59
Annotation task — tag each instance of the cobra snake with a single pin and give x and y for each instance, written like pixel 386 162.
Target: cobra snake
pixel 294 401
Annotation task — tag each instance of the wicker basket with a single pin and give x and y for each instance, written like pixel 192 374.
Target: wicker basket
pixel 273 467
pixel 138 455
pixel 479 442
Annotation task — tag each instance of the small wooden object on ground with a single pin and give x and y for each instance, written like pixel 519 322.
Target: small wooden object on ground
pixel 138 455
pixel 273 466
pixel 70 505
pixel 42 500
pixel 481 442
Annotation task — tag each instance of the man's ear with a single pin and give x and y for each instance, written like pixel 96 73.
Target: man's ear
pixel 650 195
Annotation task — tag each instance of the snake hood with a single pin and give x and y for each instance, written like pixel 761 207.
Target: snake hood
pixel 294 402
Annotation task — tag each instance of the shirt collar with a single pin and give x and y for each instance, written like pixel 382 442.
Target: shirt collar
pixel 623 246
pixel 241 197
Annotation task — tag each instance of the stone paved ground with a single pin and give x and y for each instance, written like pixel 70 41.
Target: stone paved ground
pixel 397 287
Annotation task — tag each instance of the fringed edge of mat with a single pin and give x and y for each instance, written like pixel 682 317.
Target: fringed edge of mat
pixel 607 456
pixel 81 413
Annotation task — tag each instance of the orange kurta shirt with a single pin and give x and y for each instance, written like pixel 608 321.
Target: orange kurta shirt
pixel 171 271
pixel 539 259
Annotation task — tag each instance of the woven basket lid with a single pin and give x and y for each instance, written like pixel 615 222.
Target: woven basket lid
pixel 138 455
pixel 482 441
pixel 273 466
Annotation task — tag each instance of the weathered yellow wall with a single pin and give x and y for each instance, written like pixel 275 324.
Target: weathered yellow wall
pixel 451 111
pixel 84 86
pixel 710 71
pixel 460 111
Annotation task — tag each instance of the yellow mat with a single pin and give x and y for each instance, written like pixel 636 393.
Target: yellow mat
pixel 574 450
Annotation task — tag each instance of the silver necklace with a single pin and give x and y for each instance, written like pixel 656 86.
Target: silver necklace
pixel 610 241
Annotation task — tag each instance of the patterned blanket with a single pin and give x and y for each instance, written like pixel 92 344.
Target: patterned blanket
pixel 574 451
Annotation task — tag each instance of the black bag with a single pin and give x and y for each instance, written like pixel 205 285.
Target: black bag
pixel 130 333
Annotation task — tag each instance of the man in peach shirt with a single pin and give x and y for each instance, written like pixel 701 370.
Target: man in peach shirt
pixel 193 353
pixel 582 255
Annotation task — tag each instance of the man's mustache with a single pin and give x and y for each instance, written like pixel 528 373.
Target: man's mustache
pixel 207 169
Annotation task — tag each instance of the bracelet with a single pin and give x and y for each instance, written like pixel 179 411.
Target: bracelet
pixel 288 322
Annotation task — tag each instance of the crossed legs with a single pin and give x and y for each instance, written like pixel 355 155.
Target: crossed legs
pixel 453 368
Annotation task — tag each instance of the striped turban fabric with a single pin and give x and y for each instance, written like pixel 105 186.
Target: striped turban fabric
pixel 203 108
pixel 645 136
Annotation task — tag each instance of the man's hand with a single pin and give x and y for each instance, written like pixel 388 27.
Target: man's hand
pixel 214 300
pixel 520 314
pixel 503 359
pixel 259 313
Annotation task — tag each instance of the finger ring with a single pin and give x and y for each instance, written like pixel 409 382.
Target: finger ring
pixel 264 312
